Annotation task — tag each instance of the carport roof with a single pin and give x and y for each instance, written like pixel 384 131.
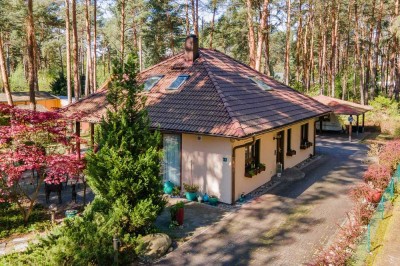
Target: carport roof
pixel 341 107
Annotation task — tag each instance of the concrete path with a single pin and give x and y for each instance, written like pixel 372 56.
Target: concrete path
pixel 287 225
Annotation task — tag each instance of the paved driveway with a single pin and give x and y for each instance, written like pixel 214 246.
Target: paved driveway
pixel 287 225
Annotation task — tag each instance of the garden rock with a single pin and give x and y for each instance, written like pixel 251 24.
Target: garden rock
pixel 154 246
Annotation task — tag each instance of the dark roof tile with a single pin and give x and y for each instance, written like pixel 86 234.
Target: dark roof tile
pixel 217 99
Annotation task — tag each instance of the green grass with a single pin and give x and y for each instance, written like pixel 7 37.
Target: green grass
pixel 378 231
pixel 12 223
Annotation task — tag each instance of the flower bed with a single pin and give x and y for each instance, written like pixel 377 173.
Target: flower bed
pixel 365 195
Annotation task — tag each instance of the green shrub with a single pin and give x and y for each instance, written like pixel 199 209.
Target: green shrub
pixel 18 81
pixel 12 222
pixel 59 85
pixel 86 240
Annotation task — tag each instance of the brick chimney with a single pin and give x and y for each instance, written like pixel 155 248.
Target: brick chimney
pixel 191 48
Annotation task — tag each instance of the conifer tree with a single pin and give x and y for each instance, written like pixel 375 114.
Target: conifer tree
pixel 126 169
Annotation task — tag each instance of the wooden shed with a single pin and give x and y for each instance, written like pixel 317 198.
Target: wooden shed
pixel 44 99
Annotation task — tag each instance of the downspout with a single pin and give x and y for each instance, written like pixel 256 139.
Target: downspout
pixel 233 166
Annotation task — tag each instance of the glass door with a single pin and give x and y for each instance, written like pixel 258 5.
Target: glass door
pixel 172 158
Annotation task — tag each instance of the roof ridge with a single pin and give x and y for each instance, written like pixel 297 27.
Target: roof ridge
pixel 159 63
pixel 265 75
pixel 224 101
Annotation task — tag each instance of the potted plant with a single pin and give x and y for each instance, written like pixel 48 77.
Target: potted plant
pixel 375 196
pixel 191 191
pixel 213 200
pixel 168 187
pixel 250 173
pixel 177 213
pixel 176 192
pixel 261 167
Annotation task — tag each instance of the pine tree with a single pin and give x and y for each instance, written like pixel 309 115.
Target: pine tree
pixel 126 169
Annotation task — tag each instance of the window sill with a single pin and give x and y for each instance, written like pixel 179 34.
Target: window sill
pixel 291 153
pixel 306 145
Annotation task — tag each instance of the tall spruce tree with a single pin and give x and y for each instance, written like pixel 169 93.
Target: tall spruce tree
pixel 126 169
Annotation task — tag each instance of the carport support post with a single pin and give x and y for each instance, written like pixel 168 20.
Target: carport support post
pixel 363 118
pixel 78 141
pixel 358 128
pixel 350 130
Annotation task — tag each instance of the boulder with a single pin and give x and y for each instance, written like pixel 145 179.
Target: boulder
pixel 154 246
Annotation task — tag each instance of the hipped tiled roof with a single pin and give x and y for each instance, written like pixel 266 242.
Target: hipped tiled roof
pixel 342 107
pixel 218 99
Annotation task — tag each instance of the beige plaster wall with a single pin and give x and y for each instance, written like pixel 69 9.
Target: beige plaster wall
pixel 268 157
pixel 203 164
pixel 301 155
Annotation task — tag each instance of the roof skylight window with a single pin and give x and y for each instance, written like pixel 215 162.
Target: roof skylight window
pixel 178 82
pixel 151 82
pixel 260 83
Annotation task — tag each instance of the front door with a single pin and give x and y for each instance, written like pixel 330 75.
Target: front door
pixel 280 142
pixel 172 158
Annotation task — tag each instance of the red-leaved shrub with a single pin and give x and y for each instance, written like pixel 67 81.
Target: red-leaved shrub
pixel 379 175
pixel 390 155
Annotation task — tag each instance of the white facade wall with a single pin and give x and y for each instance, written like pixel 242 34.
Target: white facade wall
pixel 207 162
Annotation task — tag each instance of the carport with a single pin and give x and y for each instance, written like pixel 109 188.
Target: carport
pixel 341 107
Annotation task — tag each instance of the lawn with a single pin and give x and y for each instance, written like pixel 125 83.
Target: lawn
pixel 12 223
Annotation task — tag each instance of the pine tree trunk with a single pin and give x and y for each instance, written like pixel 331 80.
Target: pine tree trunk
pixel 140 53
pixel 323 62
pixel 261 34
pixel 67 40
pixel 267 69
pixel 287 50
pixel 30 35
pixel 75 55
pixel 187 18
pixel 396 55
pixel 310 64
pixel 298 41
pixel 122 34
pixel 4 73
pixel 335 19
pixel 94 63
pixel 88 75
pixel 195 16
pixel 251 36
pixel 374 73
pixel 212 22
pixel 358 54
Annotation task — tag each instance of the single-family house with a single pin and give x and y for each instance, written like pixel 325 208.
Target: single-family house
pixel 226 127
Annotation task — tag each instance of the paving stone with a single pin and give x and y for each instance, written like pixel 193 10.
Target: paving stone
pixel 20 247
pixel 19 240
